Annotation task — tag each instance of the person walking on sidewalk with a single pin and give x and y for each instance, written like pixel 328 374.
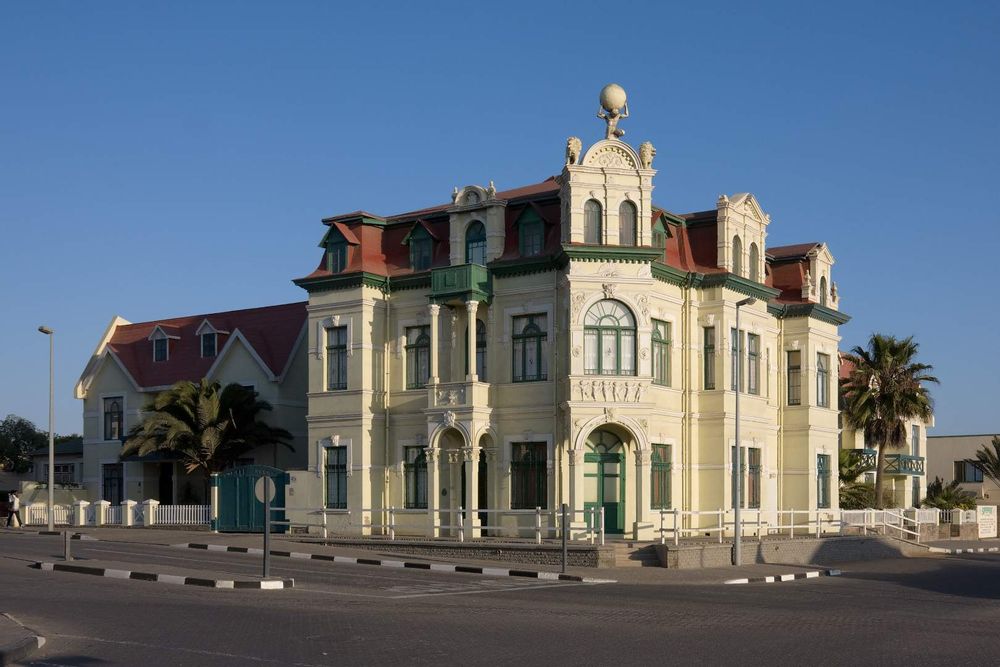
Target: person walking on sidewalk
pixel 14 509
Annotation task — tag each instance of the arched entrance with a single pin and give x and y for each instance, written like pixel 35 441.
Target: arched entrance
pixel 604 478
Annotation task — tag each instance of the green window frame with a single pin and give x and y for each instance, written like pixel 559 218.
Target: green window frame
pixel 823 481
pixel 660 470
pixel 336 358
pixel 475 244
pixel 627 224
pixel 418 352
pixel 753 477
pixel 659 234
pixel 528 476
pixel 421 249
pixel 661 352
pixel 336 478
pixel 794 370
pixel 161 348
pixel 593 222
pixel 113 418
pixel 528 362
pixel 336 256
pixel 736 356
pixel 531 237
pixel 609 339
pixel 823 380
pixel 753 364
pixel 709 358
pixel 415 477
pixel 209 343
pixel 481 355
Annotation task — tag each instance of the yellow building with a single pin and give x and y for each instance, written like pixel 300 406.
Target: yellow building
pixel 570 342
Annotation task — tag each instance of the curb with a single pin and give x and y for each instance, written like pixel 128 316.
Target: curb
pixel 166 578
pixel 20 649
pixel 785 577
pixel 378 562
pixel 981 550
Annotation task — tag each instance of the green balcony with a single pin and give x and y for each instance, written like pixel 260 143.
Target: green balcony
pixel 895 464
pixel 464 282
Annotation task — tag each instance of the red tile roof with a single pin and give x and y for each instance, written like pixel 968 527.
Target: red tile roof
pixel 271 331
pixel 788 251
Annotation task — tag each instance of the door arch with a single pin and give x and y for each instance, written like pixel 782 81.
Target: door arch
pixel 604 478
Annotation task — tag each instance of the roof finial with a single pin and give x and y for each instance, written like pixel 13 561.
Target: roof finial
pixel 614 107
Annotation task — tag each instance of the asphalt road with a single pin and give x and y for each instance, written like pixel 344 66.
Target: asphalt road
pixel 941 610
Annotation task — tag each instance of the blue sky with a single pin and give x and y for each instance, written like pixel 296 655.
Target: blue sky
pixel 164 159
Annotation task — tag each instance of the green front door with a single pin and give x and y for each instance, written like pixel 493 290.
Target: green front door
pixel 604 479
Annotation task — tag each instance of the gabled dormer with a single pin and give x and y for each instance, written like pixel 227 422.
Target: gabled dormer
pixel 160 336
pixel 422 242
pixel 741 234
pixel 822 289
pixel 476 224
pixel 530 227
pixel 339 243
pixel 208 339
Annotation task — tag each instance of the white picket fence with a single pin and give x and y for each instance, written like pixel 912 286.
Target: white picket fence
pixel 170 515
pixel 38 515
pixel 113 515
pixel 183 515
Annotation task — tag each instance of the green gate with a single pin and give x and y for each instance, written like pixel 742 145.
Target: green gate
pixel 241 499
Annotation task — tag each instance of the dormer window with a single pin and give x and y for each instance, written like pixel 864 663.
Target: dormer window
pixel 475 244
pixel 659 235
pixel 421 248
pixel 209 342
pixel 161 349
pixel 336 256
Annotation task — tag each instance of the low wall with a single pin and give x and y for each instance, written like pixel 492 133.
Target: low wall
pixel 798 551
pixel 528 554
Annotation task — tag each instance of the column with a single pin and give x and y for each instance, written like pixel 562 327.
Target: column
pixel 433 491
pixel 128 513
pixel 149 507
pixel 471 307
pixel 471 463
pixel 643 526
pixel 434 311
pixel 578 520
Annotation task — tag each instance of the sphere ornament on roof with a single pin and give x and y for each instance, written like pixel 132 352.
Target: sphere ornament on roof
pixel 614 107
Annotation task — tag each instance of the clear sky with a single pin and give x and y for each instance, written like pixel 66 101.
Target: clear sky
pixel 165 159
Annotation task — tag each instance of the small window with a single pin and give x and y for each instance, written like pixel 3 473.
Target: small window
pixel 660 484
pixel 753 477
pixel 709 358
pixel 823 481
pixel 415 473
pixel 659 235
pixel 661 353
pixel 915 440
pixel 794 377
pixel 64 473
pixel 161 349
pixel 421 249
pixel 737 256
pixel 336 478
pixel 208 344
pixel 627 224
pixel 528 476
pixel 968 472
pixel 753 364
pixel 822 291
pixel 336 358
pixel 418 349
pixel 823 380
pixel 529 338
pixel 737 360
pixel 475 244
pixel 336 256
pixel 592 224
pixel 113 418
pixel 754 263
pixel 531 237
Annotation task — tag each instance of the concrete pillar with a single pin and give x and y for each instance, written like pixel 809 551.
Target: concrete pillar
pixel 471 463
pixel 127 513
pixel 578 520
pixel 79 517
pixel 433 491
pixel 214 502
pixel 643 527
pixel 433 359
pixel 149 512
pixel 101 512
pixel 471 307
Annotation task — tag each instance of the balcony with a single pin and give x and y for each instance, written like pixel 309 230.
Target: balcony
pixel 463 282
pixel 895 464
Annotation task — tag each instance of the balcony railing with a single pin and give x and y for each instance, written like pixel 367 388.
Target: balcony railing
pixel 463 282
pixel 895 464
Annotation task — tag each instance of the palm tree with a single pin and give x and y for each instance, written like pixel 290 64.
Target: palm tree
pixel 988 461
pixel 948 497
pixel 885 390
pixel 854 495
pixel 208 426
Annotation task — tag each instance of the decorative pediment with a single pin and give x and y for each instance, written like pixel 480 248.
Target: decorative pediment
pixel 746 203
pixel 161 331
pixel 611 154
pixel 207 327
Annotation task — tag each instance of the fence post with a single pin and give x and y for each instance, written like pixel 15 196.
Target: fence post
pixel 759 537
pixel 819 524
pixel 663 538
pixel 538 525
pixel 323 512
pixel 602 524
pixel 722 524
pixel 677 526
pixel 565 525
pixel 461 526
pixel 791 524
pixel 101 513
pixel 149 508
pixel 392 522
pixel 80 513
pixel 128 518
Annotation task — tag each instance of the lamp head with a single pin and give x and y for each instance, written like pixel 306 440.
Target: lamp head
pixel 45 330
pixel 749 301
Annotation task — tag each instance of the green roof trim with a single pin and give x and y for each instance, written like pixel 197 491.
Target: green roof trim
pixel 737 284
pixel 363 219
pixel 814 310
pixel 604 253
pixel 523 267
pixel 412 281
pixel 343 281
pixel 669 274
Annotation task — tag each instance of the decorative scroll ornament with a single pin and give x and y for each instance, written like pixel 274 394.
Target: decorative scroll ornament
pixel 448 418
pixel 609 290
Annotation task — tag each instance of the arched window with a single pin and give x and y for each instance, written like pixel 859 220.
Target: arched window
pixel 626 224
pixel 592 222
pixel 609 339
pixel 480 350
pixel 475 244
pixel 822 291
pixel 754 262
pixel 737 256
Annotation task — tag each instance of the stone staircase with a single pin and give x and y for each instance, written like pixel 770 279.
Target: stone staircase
pixel 635 554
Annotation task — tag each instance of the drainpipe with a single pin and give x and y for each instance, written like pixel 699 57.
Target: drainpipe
pixel 386 372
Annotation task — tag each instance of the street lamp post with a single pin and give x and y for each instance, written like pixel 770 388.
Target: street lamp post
pixel 738 459
pixel 52 447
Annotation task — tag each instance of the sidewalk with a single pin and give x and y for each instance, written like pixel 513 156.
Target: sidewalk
pixel 293 544
pixel 16 641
